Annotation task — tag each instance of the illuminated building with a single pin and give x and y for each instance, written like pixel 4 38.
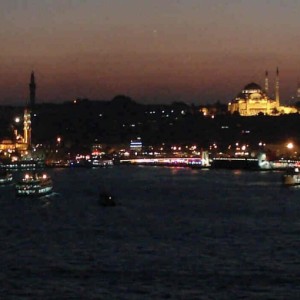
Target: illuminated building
pixel 253 100
pixel 21 143
pixel 136 145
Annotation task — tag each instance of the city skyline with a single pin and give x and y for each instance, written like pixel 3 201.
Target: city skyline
pixel 155 52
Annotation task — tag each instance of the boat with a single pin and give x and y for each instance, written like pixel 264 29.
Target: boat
pixel 19 165
pixel 106 199
pixel 6 178
pixel 291 177
pixel 34 184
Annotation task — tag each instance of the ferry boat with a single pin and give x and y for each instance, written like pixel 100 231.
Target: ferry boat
pixel 291 177
pixel 20 165
pixel 101 162
pixel 6 178
pixel 34 184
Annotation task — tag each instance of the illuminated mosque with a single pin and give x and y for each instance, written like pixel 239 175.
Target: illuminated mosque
pixel 22 143
pixel 253 100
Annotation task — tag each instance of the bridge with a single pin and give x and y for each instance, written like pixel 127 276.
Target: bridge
pixel 201 161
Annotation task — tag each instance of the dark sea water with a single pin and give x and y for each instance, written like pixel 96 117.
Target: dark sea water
pixel 175 234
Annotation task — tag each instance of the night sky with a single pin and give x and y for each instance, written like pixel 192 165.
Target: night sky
pixel 155 51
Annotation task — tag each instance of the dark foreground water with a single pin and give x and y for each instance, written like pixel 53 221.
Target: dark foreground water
pixel 176 234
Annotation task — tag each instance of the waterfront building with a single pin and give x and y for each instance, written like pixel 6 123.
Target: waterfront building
pixel 254 100
pixel 136 145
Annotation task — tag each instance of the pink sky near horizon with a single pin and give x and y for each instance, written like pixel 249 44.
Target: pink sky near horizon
pixel 153 51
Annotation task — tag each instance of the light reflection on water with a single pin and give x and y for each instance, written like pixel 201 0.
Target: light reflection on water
pixel 176 234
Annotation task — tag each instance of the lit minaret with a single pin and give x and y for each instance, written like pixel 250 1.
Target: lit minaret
pixel 27 111
pixel 277 87
pixel 266 84
pixel 27 127
pixel 32 87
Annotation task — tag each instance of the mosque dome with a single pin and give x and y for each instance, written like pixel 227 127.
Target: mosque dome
pixel 254 99
pixel 249 89
pixel 252 86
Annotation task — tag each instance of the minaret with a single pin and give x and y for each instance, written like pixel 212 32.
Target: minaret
pixel 277 88
pixel 266 84
pixel 32 87
pixel 298 91
pixel 27 111
pixel 27 127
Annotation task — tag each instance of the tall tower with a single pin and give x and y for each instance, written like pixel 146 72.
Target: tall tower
pixel 27 127
pixel 298 91
pixel 27 111
pixel 266 84
pixel 32 88
pixel 277 88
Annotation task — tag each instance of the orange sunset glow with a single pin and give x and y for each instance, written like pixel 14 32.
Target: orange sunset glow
pixel 153 51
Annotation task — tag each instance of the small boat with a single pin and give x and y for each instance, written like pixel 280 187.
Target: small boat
pixel 106 199
pixel 6 178
pixel 291 177
pixel 34 185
